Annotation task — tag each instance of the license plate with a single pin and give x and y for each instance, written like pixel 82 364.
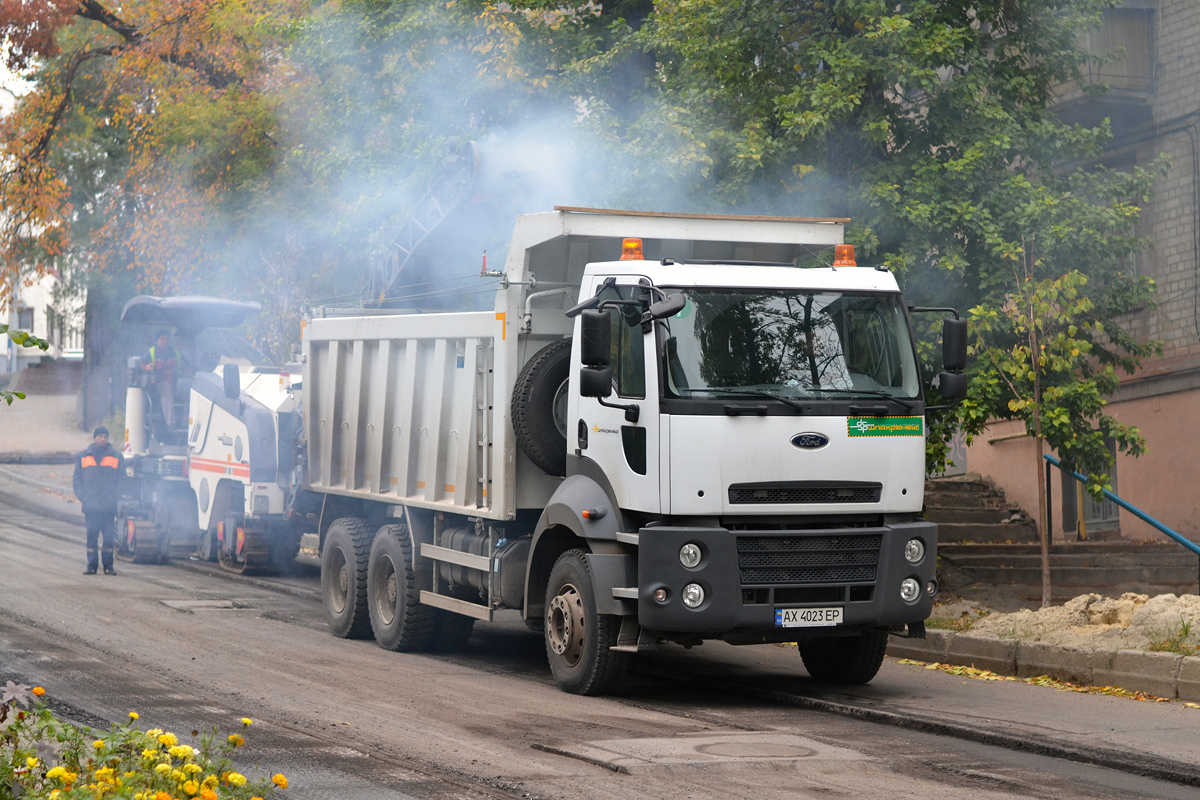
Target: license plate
pixel 808 617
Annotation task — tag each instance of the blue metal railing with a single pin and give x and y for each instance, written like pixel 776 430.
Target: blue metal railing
pixel 1132 509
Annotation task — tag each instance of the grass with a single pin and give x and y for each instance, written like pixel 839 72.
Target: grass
pixel 959 624
pixel 1177 641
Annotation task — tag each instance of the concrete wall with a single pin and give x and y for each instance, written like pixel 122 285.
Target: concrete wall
pixel 1162 482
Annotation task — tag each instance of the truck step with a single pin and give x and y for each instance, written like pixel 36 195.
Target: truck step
pixel 457 606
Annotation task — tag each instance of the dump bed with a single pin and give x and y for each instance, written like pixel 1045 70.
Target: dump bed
pixel 413 408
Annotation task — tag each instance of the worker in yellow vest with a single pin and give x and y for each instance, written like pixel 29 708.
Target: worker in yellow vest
pixel 165 362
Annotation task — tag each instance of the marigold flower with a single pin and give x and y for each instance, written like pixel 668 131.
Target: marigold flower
pixel 247 722
pixel 133 715
pixel 237 779
pixel 38 691
pixel 279 780
pixel 192 769
pixel 31 762
pixel 162 769
pixel 235 740
pixel 208 794
pixel 98 744
pixel 210 782
pixel 181 751
pixel 191 787
pixel 154 732
pixel 168 739
pixel 163 796
pixel 56 773
pixel 54 794
pixel 178 776
pixel 149 754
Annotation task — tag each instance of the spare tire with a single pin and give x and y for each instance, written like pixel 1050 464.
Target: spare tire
pixel 539 407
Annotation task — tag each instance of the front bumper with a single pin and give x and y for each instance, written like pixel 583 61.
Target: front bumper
pixel 747 574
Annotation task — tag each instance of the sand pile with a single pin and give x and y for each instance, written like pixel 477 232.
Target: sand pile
pixel 1128 622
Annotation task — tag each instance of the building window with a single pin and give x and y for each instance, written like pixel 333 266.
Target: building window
pixel 25 319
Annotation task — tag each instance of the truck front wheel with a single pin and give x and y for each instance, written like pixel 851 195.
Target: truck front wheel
pixel 578 639
pixel 398 619
pixel 845 659
pixel 344 577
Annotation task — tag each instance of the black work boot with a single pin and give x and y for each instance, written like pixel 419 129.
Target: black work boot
pixel 90 571
pixel 109 571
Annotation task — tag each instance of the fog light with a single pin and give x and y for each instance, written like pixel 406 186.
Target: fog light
pixel 914 551
pixel 689 555
pixel 693 595
pixel 660 595
pixel 931 588
pixel 910 590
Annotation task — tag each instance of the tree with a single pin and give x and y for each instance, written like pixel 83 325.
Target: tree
pixel 22 339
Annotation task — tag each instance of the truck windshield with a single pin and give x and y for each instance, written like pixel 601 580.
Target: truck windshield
pixel 789 343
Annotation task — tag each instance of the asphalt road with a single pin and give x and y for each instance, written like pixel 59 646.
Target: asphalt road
pixel 188 647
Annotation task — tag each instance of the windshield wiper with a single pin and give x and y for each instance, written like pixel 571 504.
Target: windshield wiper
pixel 870 392
pixel 796 404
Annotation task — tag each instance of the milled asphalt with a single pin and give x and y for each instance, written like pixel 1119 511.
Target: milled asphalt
pixel 36 448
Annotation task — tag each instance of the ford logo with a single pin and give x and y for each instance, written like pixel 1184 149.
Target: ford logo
pixel 810 441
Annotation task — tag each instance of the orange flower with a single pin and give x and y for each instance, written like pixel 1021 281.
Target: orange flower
pixel 279 780
pixel 38 691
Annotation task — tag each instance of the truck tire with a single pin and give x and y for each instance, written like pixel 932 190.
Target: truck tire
pixel 344 561
pixel 398 619
pixel 845 659
pixel 539 407
pixel 578 639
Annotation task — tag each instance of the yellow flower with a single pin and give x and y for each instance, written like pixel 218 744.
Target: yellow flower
pixel 235 740
pixel 192 769
pixel 178 776
pixel 209 782
pixel 98 744
pixel 104 774
pixel 162 769
pixel 247 722
pixel 154 732
pixel 237 779
pixel 149 755
pixel 181 751
pixel 133 715
pixel 54 795
pixel 168 739
pixel 31 762
pixel 56 773
pixel 279 780
pixel 38 691
pixel 191 787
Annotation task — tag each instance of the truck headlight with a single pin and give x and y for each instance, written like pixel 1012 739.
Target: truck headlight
pixel 693 595
pixel 910 590
pixel 689 555
pixel 914 551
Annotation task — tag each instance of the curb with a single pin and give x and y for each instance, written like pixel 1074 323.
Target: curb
pixel 37 458
pixel 1162 674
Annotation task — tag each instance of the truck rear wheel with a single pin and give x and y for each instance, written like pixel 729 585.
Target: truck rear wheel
pixel 398 619
pixel 344 562
pixel 578 638
pixel 845 659
pixel 539 407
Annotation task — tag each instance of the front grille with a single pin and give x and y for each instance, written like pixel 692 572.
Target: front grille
pixel 776 560
pixel 801 492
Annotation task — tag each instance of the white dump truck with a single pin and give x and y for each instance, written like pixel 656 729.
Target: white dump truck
pixel 668 427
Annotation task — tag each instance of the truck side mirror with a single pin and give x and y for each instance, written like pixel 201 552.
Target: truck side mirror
pixel 595 343
pixel 954 344
pixel 667 307
pixel 952 385
pixel 233 381
pixel 595 381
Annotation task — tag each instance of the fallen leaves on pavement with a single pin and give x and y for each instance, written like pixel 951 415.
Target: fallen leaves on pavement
pixel 1041 680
